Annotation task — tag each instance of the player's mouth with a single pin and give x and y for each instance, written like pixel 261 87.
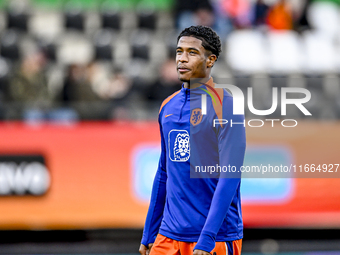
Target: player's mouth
pixel 183 69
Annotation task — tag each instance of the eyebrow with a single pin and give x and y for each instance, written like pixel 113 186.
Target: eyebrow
pixel 188 48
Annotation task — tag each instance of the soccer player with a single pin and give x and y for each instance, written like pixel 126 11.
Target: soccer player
pixel 189 214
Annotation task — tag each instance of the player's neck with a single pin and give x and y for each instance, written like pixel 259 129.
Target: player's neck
pixel 196 83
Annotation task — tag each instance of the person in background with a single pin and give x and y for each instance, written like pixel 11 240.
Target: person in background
pixel 302 22
pixel 114 89
pixel 260 13
pixel 78 93
pixel 203 12
pixel 77 85
pixel 190 12
pixel 239 12
pixel 29 84
pixel 28 88
pixel 93 91
pixel 280 16
pixel 165 85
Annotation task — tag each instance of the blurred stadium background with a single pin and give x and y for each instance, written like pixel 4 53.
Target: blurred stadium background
pixel 81 83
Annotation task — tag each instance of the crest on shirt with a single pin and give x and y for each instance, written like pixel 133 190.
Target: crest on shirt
pixel 179 145
pixel 196 116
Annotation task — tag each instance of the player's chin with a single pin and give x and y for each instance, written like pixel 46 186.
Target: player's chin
pixel 184 77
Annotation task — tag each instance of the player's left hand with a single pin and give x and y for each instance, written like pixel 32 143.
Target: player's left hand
pixel 200 252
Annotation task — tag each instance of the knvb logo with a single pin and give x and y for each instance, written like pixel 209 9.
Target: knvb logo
pixel 196 116
pixel 238 102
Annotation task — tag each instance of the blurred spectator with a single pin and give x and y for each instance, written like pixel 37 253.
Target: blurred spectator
pixel 77 86
pixel 93 83
pixel 165 85
pixel 116 87
pixel 28 90
pixel 204 17
pixel 193 12
pixel 30 96
pixel 94 91
pixel 202 12
pixel 29 83
pixel 280 16
pixel 78 93
pixel 118 90
pixel 260 13
pixel 239 12
pixel 303 22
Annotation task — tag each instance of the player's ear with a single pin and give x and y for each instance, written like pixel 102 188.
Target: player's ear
pixel 211 60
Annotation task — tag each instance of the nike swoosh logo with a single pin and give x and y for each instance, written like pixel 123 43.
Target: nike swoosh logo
pixel 168 115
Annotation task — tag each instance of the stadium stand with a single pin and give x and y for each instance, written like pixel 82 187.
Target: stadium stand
pixel 138 36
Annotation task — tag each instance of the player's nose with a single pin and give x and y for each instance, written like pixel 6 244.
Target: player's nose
pixel 183 57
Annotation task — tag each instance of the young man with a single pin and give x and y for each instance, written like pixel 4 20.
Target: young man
pixel 189 214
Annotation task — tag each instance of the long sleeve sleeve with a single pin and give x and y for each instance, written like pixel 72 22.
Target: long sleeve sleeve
pixel 158 196
pixel 231 146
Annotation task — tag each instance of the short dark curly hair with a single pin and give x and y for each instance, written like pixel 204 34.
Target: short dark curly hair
pixel 210 40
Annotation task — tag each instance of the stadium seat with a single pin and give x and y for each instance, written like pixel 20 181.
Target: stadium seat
pixel 262 96
pixel 17 18
pixel 170 39
pixel 331 85
pixel 242 81
pixel 320 53
pixel 246 51
pixel 296 80
pixel 9 47
pixel 74 19
pixel 165 22
pixel 111 19
pixel 284 52
pixel 46 25
pixel 221 72
pixel 324 17
pixel 314 81
pixel 122 50
pixel 140 69
pixel 157 51
pixel 147 19
pixel 74 49
pixel 171 51
pixel 337 51
pixel 140 51
pixel 316 104
pixel 278 80
pixel 3 21
pixel 103 45
pixel 140 40
pixel 49 49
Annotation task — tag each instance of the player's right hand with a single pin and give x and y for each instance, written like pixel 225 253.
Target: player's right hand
pixel 143 250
